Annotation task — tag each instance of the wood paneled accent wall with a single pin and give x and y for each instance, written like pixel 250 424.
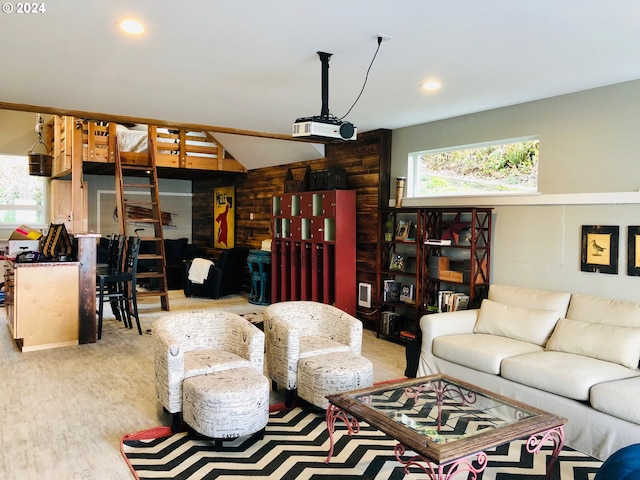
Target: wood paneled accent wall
pixel 367 162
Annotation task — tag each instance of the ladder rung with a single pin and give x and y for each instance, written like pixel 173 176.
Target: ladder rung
pixel 138 185
pixel 149 275
pixel 138 202
pixel 150 256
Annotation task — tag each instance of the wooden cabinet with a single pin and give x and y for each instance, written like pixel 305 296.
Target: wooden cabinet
pixel 427 256
pixel 62 201
pixel 313 248
pixel 41 301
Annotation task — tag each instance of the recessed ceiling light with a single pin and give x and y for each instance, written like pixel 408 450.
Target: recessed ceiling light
pixel 132 26
pixel 430 85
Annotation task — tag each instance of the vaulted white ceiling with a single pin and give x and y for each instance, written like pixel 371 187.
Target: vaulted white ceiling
pixel 252 64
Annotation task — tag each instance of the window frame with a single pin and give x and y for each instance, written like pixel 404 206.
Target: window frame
pixel 412 169
pixel 40 210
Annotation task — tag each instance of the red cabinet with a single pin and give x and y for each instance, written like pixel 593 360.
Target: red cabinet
pixel 314 248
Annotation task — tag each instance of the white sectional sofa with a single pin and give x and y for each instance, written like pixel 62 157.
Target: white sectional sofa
pixel 574 355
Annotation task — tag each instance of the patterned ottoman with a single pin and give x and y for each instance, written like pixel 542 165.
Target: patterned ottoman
pixel 322 375
pixel 226 404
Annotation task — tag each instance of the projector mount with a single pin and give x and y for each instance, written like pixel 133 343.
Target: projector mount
pixel 325 125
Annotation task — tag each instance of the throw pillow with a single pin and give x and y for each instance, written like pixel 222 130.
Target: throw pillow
pixel 174 248
pixel 605 342
pixel 520 323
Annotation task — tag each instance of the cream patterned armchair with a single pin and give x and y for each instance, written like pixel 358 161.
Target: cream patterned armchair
pixel 300 329
pixel 199 343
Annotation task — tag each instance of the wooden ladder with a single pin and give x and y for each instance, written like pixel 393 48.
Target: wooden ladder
pixel 132 212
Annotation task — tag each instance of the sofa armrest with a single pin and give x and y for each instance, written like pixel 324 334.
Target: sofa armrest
pixel 252 345
pixel 343 328
pixel 282 351
pixel 440 324
pixel 169 370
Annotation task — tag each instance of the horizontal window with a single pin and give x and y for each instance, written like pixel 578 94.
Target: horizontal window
pixel 507 166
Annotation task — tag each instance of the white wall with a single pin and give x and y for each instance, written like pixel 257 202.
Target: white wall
pixel 589 144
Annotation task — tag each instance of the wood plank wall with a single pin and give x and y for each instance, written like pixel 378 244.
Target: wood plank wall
pixel 367 162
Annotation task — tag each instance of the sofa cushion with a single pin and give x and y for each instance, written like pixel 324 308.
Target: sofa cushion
pixel 479 351
pixel 530 298
pixel 520 323
pixel 314 345
pixel 618 398
pixel 604 342
pixel 203 362
pixel 174 249
pixel 562 373
pixel 589 308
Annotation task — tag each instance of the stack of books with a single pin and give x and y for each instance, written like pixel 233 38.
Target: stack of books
pixel 450 301
pixel 390 323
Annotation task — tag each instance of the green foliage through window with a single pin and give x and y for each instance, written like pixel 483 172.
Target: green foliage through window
pixel 22 196
pixel 488 169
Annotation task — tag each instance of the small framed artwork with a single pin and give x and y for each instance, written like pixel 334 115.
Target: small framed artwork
pixel 599 249
pixel 402 230
pixel 398 262
pixel 633 251
pixel 224 214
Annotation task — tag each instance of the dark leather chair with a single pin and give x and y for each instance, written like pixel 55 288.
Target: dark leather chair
pixel 224 278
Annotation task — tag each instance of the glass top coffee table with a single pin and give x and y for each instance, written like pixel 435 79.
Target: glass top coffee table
pixel 446 422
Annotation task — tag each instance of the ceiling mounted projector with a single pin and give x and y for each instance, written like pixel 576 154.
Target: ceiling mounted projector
pixel 324 126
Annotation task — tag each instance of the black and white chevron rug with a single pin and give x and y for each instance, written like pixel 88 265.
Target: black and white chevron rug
pixel 295 446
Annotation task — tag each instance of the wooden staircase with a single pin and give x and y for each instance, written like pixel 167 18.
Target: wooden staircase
pixel 137 215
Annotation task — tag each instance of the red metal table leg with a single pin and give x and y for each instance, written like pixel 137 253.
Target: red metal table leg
pixel 534 445
pixel 333 414
pixel 446 471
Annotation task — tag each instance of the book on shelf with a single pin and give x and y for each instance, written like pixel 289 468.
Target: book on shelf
pixel 408 335
pixel 450 301
pixel 389 323
pixel 407 293
pixel 391 291
pixel 437 241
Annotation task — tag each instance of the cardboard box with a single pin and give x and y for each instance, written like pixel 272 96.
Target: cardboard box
pixel 19 246
pixel 25 233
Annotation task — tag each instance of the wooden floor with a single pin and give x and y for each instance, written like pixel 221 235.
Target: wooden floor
pixel 65 410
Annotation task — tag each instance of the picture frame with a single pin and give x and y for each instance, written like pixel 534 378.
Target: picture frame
pixel 599 251
pixel 402 230
pixel 224 213
pixel 407 293
pixel 633 251
pixel 398 262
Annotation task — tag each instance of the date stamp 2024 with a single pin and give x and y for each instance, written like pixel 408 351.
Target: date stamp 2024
pixel 23 7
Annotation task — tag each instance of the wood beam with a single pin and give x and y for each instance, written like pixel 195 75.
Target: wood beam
pixel 149 121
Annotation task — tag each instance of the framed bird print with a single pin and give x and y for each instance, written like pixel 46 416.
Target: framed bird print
pixel 633 251
pixel 599 249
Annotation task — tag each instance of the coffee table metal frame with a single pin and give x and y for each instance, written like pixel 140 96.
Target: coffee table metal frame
pixel 443 460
